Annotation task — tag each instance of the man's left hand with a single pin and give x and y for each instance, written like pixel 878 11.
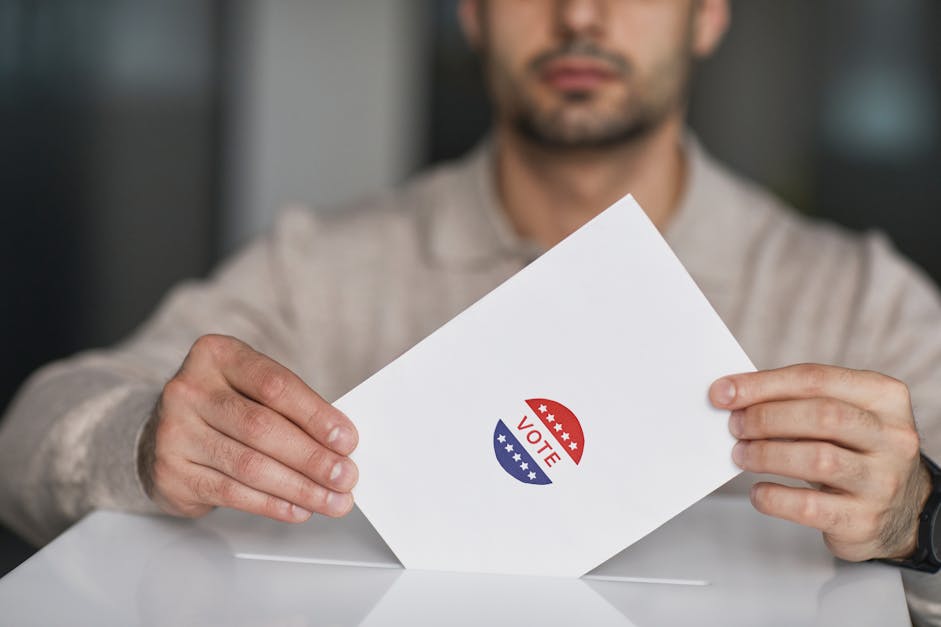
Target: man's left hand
pixel 850 434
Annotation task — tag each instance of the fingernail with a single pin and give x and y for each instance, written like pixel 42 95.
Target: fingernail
pixel 723 391
pixel 343 475
pixel 738 454
pixel 338 503
pixel 737 423
pixel 299 513
pixel 341 439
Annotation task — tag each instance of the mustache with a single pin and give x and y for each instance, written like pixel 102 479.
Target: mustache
pixel 582 48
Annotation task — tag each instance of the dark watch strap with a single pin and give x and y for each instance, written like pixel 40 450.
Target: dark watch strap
pixel 924 558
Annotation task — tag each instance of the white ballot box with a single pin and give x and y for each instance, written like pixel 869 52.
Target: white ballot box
pixel 718 563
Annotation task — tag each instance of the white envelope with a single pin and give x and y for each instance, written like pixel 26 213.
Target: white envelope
pixel 557 420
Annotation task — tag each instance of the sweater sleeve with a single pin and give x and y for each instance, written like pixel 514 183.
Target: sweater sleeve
pixel 898 332
pixel 69 441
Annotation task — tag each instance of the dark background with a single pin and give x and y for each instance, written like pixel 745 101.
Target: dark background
pixel 112 168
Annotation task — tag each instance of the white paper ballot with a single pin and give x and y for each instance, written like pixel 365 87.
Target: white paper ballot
pixel 557 420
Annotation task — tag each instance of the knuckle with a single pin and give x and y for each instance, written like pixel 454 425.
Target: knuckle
pixel 315 417
pixel 214 448
pixel 826 462
pixel 756 456
pixel 227 491
pixel 815 377
pixel 203 488
pixel 753 456
pixel 857 472
pixel 249 465
pixel 275 507
pixel 219 451
pixel 832 416
pixel 908 442
pixel 211 345
pixel 757 420
pixel 315 461
pixel 307 493
pixel 271 385
pixel 177 392
pixel 809 508
pixel 866 420
pixel 898 391
pixel 229 405
pixel 256 424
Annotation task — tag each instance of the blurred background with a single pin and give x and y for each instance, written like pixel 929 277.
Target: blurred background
pixel 141 141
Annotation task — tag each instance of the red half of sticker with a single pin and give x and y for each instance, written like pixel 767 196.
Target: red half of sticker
pixel 562 424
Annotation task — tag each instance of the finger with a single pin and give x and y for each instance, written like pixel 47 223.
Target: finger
pixel 209 486
pixel 271 384
pixel 270 433
pixel 830 513
pixel 815 462
pixel 170 487
pixel 816 418
pixel 869 390
pixel 256 470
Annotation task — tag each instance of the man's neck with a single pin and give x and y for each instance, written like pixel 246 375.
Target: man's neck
pixel 549 193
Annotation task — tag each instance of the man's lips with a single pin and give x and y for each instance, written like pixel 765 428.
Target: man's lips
pixel 577 74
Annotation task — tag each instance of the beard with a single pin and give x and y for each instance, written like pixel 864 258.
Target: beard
pixel 578 119
pixel 558 127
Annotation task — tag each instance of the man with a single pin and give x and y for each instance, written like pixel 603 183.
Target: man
pixel 208 404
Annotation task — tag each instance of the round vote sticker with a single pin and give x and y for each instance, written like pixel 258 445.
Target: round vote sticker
pixel 546 441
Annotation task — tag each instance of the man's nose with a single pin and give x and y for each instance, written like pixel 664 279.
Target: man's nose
pixel 581 17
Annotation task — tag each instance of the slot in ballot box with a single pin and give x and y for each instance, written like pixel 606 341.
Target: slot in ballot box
pixel 718 563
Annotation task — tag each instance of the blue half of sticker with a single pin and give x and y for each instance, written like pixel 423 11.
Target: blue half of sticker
pixel 515 460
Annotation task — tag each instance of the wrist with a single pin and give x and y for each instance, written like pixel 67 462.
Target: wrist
pixel 926 554
pixel 906 543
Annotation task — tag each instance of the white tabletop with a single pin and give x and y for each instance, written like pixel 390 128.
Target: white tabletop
pixel 733 566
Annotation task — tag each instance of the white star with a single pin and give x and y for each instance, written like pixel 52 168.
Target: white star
pixel 501 438
pixel 558 426
pixel 550 418
pixel 573 445
pixel 517 456
pixel 508 447
pixel 542 409
pixel 532 476
pixel 524 466
pixel 565 436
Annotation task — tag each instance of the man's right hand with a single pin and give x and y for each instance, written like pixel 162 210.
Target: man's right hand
pixel 234 428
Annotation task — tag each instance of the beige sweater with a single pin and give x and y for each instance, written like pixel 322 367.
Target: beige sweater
pixel 336 298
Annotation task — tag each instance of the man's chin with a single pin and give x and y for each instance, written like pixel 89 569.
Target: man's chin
pixel 577 133
pixel 577 97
